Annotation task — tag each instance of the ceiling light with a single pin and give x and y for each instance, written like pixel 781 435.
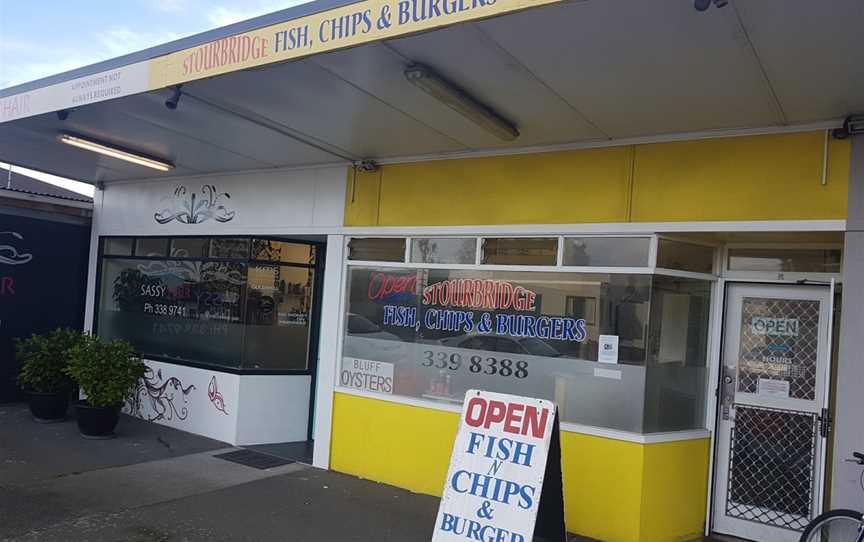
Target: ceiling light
pixel 460 101
pixel 114 152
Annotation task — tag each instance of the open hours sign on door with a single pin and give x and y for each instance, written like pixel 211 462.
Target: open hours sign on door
pixel 504 481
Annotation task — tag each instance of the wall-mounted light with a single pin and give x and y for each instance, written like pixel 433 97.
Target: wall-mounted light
pixel 460 101
pixel 852 125
pixel 114 152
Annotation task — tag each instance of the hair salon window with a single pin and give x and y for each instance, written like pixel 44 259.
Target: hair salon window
pixel 233 302
pixel 431 333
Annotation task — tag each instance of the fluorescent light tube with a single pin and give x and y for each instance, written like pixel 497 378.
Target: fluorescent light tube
pixel 114 152
pixel 460 101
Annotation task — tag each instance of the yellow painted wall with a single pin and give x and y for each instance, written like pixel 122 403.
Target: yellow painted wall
pixel 772 177
pixel 674 490
pixel 613 490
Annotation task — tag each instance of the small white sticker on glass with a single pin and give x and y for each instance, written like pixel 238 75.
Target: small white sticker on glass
pixel 607 349
pixel 773 388
pixel 607 373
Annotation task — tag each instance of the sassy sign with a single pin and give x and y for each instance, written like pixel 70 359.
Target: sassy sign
pixel 504 468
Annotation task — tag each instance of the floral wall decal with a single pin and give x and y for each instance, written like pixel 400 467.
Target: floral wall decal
pixel 10 255
pixel 216 397
pixel 157 398
pixel 188 207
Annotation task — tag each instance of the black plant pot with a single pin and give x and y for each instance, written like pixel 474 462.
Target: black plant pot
pixel 49 407
pixel 97 422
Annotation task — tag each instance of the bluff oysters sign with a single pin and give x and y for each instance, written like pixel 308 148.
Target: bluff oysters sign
pixel 504 480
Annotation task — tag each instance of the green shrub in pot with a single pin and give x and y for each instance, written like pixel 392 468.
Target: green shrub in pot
pixel 107 373
pixel 43 361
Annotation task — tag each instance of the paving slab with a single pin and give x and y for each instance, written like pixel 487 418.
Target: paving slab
pixel 53 501
pixel 31 451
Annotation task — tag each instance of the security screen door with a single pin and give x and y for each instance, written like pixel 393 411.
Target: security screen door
pixel 768 480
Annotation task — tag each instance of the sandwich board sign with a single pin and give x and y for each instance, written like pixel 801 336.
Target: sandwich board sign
pixel 504 481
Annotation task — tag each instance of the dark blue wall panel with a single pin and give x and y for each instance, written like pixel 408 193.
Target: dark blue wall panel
pixel 43 278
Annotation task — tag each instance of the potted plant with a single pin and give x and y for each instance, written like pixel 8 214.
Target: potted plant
pixel 43 360
pixel 107 373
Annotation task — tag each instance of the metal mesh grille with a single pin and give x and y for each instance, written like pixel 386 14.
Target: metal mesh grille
pixel 779 342
pixel 771 467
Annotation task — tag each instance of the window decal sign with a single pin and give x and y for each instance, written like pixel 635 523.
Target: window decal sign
pixel 504 481
pixel 482 306
pixel 367 375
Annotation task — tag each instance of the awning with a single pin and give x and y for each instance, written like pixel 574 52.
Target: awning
pixel 564 73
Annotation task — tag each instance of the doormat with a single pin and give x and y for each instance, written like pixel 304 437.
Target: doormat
pixel 254 459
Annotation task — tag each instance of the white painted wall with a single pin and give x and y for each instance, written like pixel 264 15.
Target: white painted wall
pixel 270 202
pixel 328 348
pixel 199 401
pixel 273 408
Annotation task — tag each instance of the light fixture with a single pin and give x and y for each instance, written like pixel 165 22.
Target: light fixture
pixel 852 125
pixel 460 101
pixel 114 152
pixel 174 100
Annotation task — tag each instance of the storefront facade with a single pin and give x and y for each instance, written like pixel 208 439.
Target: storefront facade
pixel 355 308
pixel 345 234
pixel 657 245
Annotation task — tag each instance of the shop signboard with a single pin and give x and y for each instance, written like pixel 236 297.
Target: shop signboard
pixel 98 87
pixel 329 30
pixel 504 481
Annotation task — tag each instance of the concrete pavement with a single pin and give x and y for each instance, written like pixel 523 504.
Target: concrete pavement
pixel 155 484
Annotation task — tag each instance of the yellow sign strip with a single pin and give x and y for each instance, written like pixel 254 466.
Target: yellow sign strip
pixel 347 26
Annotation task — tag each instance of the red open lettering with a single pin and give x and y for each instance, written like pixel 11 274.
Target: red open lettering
pixel 515 418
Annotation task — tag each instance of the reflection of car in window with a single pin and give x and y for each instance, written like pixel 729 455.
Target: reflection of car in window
pixel 499 343
pixel 360 325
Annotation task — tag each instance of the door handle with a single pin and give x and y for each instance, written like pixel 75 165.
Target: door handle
pixel 728 396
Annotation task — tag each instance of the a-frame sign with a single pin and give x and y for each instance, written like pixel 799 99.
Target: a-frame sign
pixel 504 481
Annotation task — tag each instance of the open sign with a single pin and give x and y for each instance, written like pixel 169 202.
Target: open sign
pixel 786 327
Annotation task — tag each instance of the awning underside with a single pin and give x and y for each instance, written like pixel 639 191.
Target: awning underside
pixel 569 73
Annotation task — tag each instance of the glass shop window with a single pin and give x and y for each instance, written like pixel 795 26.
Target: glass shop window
pixel 607 251
pixel 520 251
pixel 190 247
pixel 118 246
pixel 785 260
pixel 685 256
pixel 200 306
pixel 433 334
pixel 283 251
pixel 443 250
pixel 229 248
pixel 151 246
pixel 372 249
pixel 675 390
pixel 278 307
pixel 175 309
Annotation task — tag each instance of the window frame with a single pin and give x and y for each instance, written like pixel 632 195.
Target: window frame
pixel 315 311
pixel 782 276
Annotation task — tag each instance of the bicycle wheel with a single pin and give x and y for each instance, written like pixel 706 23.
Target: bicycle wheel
pixel 834 526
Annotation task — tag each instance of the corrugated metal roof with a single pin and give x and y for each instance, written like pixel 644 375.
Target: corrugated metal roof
pixel 29 185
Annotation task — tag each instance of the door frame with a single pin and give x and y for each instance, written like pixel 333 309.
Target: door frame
pixel 718 335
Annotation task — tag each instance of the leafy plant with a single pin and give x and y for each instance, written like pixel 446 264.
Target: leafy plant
pixel 43 360
pixel 107 372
